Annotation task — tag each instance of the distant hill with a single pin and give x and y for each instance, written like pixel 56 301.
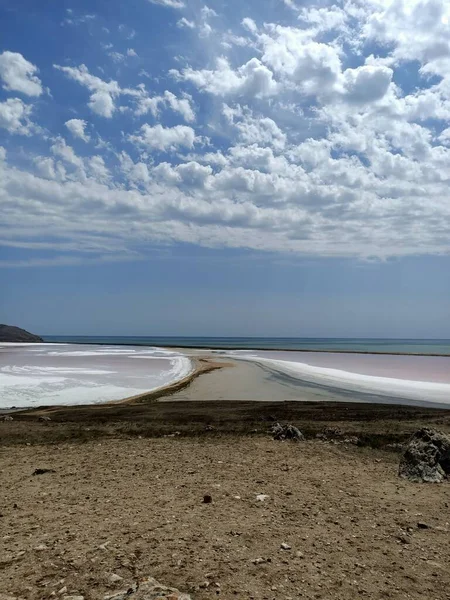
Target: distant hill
pixel 9 333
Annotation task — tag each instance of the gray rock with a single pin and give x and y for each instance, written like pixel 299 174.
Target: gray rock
pixel 7 418
pixel 286 432
pixel 149 589
pixel 427 457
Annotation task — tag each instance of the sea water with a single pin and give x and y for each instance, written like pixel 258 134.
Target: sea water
pixel 383 345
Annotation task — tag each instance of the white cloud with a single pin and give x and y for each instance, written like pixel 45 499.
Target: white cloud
pixel 254 130
pixel 103 93
pixel 314 66
pixel 165 138
pixel 131 52
pixel 183 22
pixel 77 128
pixel 14 116
pixel 251 79
pixel 418 30
pixel 314 146
pixel 366 83
pixel 153 104
pixel 18 74
pixel 169 3
pixel 102 104
pixel 249 24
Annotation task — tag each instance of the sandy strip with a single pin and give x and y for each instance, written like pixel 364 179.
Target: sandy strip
pixel 201 367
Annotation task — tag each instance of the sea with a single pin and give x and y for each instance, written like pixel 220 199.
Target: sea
pixel 431 347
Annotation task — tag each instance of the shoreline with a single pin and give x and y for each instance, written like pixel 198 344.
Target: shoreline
pixel 259 348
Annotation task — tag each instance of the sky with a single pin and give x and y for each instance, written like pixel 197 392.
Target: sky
pixel 172 167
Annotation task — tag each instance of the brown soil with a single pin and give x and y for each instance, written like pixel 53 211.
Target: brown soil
pixel 134 507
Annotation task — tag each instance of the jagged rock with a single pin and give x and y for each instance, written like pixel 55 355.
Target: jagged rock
pixel 427 457
pixel 149 589
pixel 286 432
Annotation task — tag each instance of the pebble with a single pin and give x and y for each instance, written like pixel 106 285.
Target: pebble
pixel 262 497
pixel 422 525
pixel 207 499
pixel 285 546
pixel 40 548
pixel 114 578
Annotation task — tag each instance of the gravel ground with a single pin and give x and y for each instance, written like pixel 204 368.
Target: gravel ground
pixel 331 521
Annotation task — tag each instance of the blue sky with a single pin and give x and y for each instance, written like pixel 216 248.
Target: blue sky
pixel 241 168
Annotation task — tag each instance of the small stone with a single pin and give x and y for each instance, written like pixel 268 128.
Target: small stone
pixel 404 539
pixel 73 598
pixel 149 589
pixel 114 578
pixel 63 590
pixel 285 546
pixel 103 546
pixel 299 554
pixel 422 525
pixel 259 561
pixel 43 471
pixel 262 497
pixel 207 499
pixel 40 548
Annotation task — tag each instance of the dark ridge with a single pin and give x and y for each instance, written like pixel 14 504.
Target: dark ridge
pixel 9 333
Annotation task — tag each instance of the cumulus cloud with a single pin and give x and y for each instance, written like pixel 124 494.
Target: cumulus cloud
pixel 315 145
pixel 103 93
pixel 18 74
pixel 15 116
pixel 367 83
pixel 251 79
pixel 169 3
pixel 153 104
pixel 77 128
pixel 164 138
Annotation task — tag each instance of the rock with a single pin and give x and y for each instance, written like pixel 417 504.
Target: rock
pixel 40 548
pixel 149 589
pixel 259 561
pixel 286 432
pixel 9 333
pixel 44 419
pixel 404 539
pixel 73 597
pixel 285 546
pixel 427 457
pixel 7 418
pixel 207 499
pixel 114 578
pixel 43 471
pixel 262 497
pixel 422 525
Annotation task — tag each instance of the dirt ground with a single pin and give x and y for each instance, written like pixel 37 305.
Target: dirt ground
pixel 134 507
